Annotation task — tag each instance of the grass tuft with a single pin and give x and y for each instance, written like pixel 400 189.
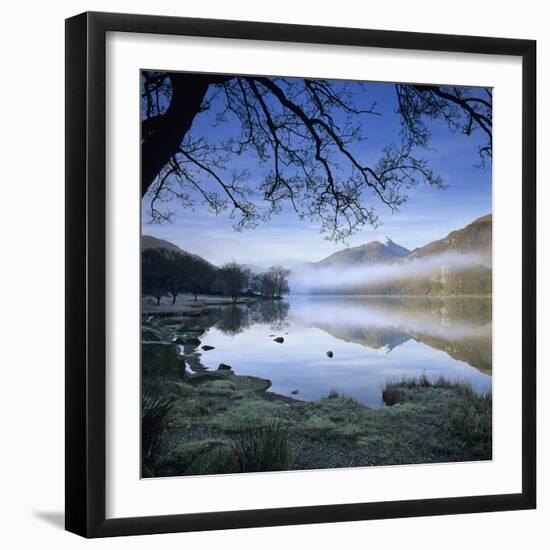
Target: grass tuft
pixel 154 411
pixel 262 448
pixel 395 392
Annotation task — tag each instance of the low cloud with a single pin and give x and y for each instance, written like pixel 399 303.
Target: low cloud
pixel 311 279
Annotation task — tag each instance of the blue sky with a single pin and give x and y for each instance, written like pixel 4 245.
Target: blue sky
pixel 428 214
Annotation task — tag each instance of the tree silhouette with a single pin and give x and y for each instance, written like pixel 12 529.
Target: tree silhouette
pixel 306 134
pixel 169 272
pixel 463 109
pixel 272 283
pixel 153 280
pixel 234 279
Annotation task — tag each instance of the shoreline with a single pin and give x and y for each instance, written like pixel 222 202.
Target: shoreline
pixel 191 306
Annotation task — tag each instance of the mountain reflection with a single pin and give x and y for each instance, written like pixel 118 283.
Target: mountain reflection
pixel 459 326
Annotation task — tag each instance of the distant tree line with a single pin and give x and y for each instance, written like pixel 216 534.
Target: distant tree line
pixel 170 273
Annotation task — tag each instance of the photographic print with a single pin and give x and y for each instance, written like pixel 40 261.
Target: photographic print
pixel 316 273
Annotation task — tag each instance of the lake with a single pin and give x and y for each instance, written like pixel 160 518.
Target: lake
pixel 373 340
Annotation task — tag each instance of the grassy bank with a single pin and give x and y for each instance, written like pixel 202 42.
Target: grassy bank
pixel 206 422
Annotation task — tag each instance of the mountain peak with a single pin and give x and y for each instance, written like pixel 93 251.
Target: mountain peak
pixel 390 247
pixel 384 240
pixel 381 250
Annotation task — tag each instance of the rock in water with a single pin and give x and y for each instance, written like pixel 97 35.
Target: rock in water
pixel 191 342
pixel 207 348
pixel 223 366
pixel 279 339
pixel 330 354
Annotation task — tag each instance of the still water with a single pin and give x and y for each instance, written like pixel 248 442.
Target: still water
pixel 372 339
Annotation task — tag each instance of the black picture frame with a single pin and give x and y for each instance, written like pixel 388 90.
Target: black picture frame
pixel 86 284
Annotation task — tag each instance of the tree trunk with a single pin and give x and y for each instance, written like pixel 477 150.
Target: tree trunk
pixel 158 300
pixel 161 136
pixel 174 296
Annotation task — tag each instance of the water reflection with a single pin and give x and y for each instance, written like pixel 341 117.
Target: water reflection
pixel 460 326
pixel 373 339
pixel 236 318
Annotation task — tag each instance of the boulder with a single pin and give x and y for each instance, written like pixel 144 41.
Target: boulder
pixel 295 392
pixel 330 354
pixel 191 341
pixel 279 339
pixel 223 366
pixel 160 358
pixel 207 348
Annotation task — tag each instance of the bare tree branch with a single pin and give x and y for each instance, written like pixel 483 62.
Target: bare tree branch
pixel 304 135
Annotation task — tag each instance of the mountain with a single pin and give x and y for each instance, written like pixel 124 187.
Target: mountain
pixel 149 242
pixel 475 237
pixel 382 250
pixel 456 265
pixel 472 274
pixel 383 340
